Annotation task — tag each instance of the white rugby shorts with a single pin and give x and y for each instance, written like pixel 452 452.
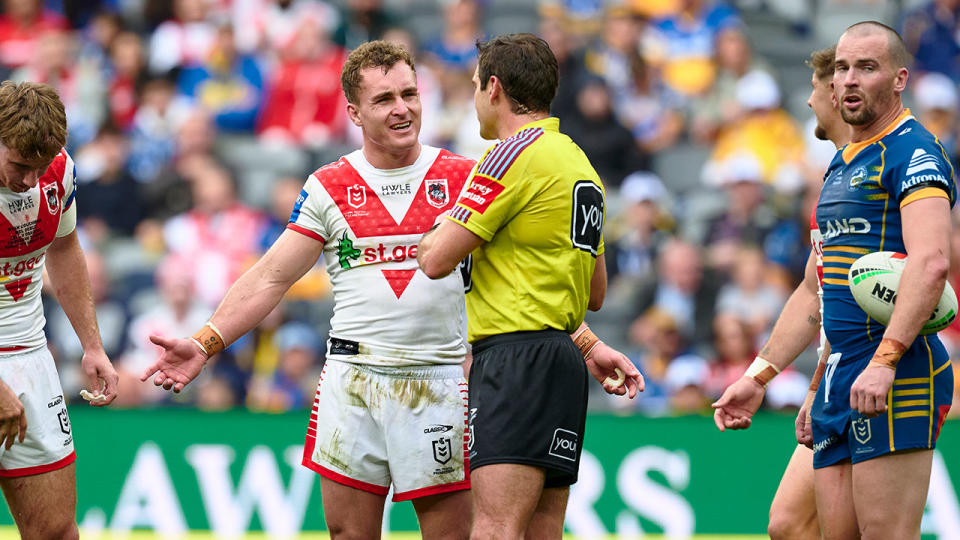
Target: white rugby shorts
pixel 373 425
pixel 48 445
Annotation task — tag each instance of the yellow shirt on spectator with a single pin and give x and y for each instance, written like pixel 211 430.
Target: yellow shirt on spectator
pixel 772 137
pixel 536 200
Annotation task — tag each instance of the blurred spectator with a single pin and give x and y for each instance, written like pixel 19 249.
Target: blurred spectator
pixel 96 38
pixel 611 56
pixel 126 78
pixel 269 26
pixel 456 49
pixel 293 383
pixel 936 106
pixel 169 192
pixel 746 218
pixel 930 33
pixel 606 142
pixel 735 349
pixel 765 131
pixel 649 111
pixel 173 312
pixel 304 104
pixel 80 86
pixel 22 25
pixel 672 372
pixel 365 20
pixel 154 128
pixel 638 232
pixel 749 297
pixel 228 85
pixel 218 236
pixel 683 44
pixel 733 60
pixel 111 197
pixel 555 31
pixel 184 39
pixel 681 291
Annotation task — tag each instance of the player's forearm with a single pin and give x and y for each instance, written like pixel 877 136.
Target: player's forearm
pixel 248 301
pixel 797 326
pixel 67 270
pixel 921 285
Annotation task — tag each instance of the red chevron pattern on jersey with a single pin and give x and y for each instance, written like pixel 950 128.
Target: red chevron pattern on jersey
pixel 21 238
pixel 366 214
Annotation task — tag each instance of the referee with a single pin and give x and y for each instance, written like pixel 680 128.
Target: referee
pixel 531 222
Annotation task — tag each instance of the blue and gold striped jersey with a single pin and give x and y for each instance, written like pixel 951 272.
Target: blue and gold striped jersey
pixel 866 185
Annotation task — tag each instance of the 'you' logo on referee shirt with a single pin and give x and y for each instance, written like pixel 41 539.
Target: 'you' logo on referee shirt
pixel 587 219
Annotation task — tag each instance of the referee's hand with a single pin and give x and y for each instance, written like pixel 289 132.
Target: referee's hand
pixel 603 363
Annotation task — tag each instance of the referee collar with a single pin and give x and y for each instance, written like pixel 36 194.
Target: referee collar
pixel 550 123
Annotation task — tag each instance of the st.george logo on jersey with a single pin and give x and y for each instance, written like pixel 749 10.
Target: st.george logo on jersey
pixel 356 196
pixel 51 198
pixel 437 193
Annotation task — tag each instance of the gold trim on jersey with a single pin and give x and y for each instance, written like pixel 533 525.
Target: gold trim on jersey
pixel 886 202
pixel 850 249
pixel 924 193
pixel 941 368
pixel 851 150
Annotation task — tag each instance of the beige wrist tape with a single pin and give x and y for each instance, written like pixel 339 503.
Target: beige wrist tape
pixel 762 371
pixel 209 339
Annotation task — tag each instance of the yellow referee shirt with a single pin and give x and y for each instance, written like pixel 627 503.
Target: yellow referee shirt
pixel 536 200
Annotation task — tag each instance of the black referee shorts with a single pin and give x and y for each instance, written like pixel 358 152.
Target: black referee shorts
pixel 528 403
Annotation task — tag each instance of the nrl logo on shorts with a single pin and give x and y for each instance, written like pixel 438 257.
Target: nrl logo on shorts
pixel 861 430
pixel 437 194
pixel 442 450
pixel 64 421
pixel 356 196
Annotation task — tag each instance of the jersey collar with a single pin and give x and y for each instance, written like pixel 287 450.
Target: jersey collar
pixel 851 150
pixel 550 123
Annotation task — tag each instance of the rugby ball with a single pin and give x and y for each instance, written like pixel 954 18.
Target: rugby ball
pixel 874 279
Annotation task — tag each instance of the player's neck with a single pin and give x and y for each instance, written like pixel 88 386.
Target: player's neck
pixel 863 133
pixel 511 123
pixel 381 158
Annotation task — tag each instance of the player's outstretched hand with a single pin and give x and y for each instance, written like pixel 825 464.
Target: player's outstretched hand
pixel 102 379
pixel 604 362
pixel 181 362
pixel 803 424
pixel 13 417
pixel 737 404
pixel 868 395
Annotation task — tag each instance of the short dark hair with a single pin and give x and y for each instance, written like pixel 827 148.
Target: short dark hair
pixel 526 68
pixel 822 62
pixel 899 56
pixel 373 54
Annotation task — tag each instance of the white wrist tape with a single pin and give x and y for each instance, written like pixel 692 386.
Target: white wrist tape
pixel 761 371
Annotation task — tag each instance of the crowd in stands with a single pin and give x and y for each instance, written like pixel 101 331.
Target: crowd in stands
pixel 194 123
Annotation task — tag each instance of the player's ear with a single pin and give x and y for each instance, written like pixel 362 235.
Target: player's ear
pixel 354 114
pixel 900 80
pixel 496 89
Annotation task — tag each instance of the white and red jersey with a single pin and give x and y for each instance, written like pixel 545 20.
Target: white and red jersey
pixel 371 221
pixel 816 243
pixel 30 222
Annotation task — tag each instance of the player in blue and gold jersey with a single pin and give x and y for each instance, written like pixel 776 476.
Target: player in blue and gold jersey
pixel 532 216
pixel 886 390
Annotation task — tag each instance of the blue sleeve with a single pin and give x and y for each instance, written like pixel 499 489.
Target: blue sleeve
pixel 917 163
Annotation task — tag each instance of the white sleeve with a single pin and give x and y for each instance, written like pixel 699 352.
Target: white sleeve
pixel 308 212
pixel 68 218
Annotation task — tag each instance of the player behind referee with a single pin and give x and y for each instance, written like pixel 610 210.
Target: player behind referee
pixel 532 217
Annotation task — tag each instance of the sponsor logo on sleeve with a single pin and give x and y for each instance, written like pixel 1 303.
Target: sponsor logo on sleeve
pixel 921 161
pixel 481 193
